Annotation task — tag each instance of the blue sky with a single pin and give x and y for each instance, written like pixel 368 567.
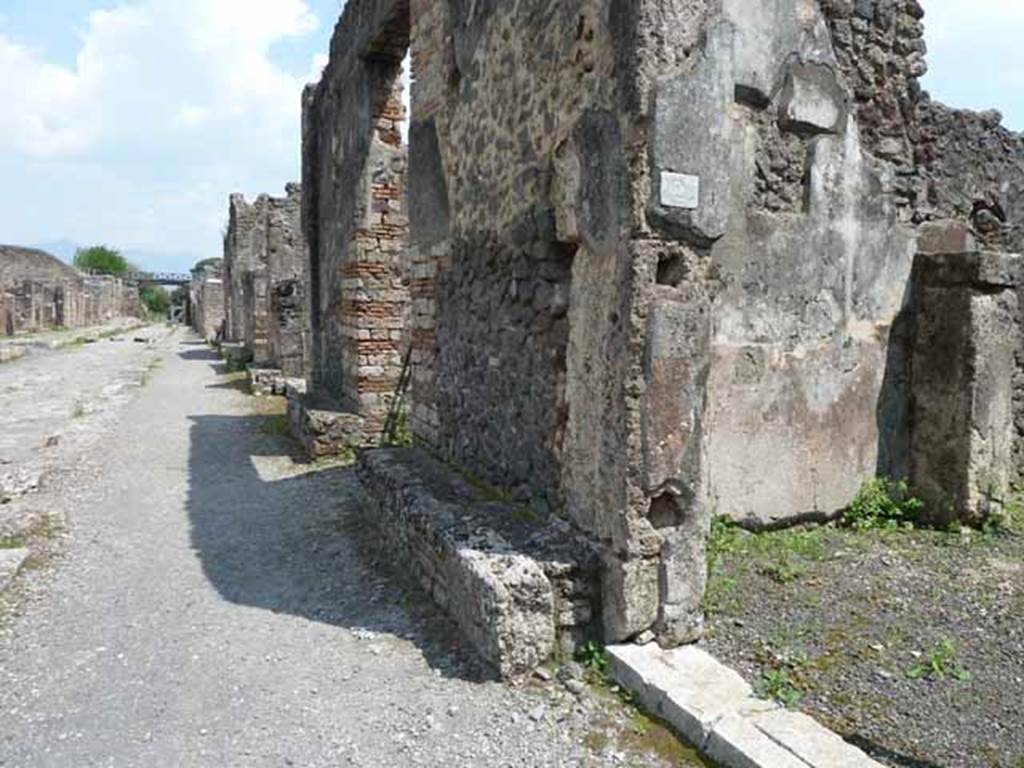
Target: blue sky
pixel 130 121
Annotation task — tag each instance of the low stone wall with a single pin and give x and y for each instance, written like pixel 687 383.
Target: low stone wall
pixel 322 429
pixel 32 306
pixel 267 381
pixel 236 355
pixel 520 589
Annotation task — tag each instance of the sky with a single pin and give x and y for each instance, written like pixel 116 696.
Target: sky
pixel 128 122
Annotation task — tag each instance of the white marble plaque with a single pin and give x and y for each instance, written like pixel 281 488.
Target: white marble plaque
pixel 680 190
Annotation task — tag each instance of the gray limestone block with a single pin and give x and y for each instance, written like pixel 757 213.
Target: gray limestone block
pixel 631 596
pixel 720 159
pixel 945 236
pixel 768 33
pixel 965 371
pixel 812 101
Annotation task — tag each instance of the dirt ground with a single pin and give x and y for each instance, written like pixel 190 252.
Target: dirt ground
pixel 908 643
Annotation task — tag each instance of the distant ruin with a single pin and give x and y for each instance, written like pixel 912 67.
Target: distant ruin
pixel 207 300
pixel 645 262
pixel 38 292
pixel 264 283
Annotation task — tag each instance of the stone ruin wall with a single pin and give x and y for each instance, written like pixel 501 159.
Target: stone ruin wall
pixel 948 163
pixel 527 340
pixel 585 342
pixel 659 256
pixel 264 278
pixel 31 303
pixel 238 260
pixel 207 300
pixel 286 264
pixel 354 216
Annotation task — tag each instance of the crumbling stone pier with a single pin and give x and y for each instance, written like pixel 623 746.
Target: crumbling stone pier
pixel 264 276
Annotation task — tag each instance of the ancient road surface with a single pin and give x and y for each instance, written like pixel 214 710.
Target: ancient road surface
pixel 217 605
pixel 52 403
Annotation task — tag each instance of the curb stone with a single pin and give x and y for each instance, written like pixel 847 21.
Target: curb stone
pixel 11 561
pixel 711 706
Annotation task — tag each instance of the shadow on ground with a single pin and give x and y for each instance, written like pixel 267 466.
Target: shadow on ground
pixel 216 362
pixel 302 545
pixel 895 759
pixel 200 353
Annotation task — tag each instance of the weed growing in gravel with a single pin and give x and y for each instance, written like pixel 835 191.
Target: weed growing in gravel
pixel 784 556
pixel 885 504
pixel 939 662
pixel 276 426
pixel 593 657
pixel 78 411
pixel 786 667
pixel 722 539
pixel 11 542
pixel 1010 518
pixel 777 685
pixel 721 595
pixel 151 366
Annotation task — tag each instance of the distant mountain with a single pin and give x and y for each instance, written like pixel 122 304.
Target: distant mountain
pixel 161 261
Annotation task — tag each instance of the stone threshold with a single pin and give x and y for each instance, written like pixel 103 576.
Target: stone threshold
pixel 715 709
pixel 520 589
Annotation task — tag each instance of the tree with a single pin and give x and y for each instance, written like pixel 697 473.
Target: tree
pixel 100 259
pixel 155 299
pixel 201 266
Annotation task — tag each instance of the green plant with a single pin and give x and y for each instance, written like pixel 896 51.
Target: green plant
pixel 78 411
pixel 784 570
pixel 1009 518
pixel 776 684
pixel 155 299
pixel 592 656
pixel 939 662
pixel 101 259
pixel 721 595
pixel 276 425
pixel 201 266
pixel 883 503
pixel 721 540
pixel 11 542
pixel 401 434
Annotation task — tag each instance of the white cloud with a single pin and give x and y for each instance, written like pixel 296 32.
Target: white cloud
pixel 38 98
pixel 150 66
pixel 169 106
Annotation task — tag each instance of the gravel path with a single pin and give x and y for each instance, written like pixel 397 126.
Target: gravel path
pixel 218 604
pixel 909 644
pixel 54 403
